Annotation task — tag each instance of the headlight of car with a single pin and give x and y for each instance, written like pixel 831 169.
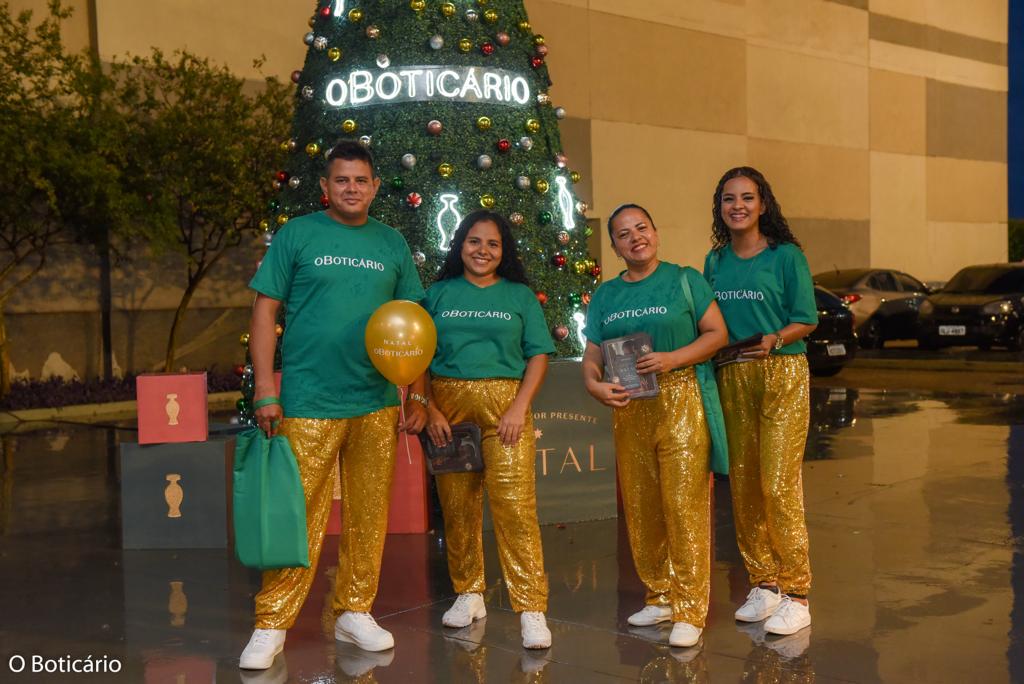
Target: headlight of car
pixel 1001 307
pixel 926 308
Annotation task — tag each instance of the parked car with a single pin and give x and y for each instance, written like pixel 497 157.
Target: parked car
pixel 981 305
pixel 884 302
pixel 833 343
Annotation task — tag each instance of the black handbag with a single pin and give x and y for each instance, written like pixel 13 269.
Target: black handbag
pixel 461 455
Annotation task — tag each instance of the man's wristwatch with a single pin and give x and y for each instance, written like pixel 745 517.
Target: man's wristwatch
pixel 779 342
pixel 415 396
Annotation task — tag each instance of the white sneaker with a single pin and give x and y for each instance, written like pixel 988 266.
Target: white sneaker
pixel 684 635
pixel 363 631
pixel 263 647
pixel 761 603
pixel 535 630
pixel 650 615
pixel 790 618
pixel 466 609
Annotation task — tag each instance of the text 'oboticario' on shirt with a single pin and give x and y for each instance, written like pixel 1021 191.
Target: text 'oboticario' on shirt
pixel 636 313
pixel 351 262
pixel 732 295
pixel 456 313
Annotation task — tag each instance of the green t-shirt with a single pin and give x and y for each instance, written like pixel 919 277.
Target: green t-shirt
pixel 655 305
pixel 764 293
pixel 485 332
pixel 331 278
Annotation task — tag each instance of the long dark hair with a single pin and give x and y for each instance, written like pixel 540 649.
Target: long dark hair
pixel 510 268
pixel 772 224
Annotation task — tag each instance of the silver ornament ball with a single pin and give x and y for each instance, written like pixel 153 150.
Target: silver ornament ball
pixel 408 160
pixel 484 161
pixel 307 92
pixel 419 258
pixel 472 15
pixel 526 143
pixel 294 182
pixel 308 38
pixel 365 140
pixel 320 43
pixel 523 182
pixel 436 42
pixel 543 99
pixel 383 61
pixel 559 112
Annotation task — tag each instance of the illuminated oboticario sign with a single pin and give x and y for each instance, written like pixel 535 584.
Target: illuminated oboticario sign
pixel 427 84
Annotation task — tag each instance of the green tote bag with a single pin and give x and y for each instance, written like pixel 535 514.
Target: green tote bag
pixel 709 395
pixel 269 503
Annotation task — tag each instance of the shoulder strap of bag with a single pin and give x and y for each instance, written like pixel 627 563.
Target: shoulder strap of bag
pixel 688 294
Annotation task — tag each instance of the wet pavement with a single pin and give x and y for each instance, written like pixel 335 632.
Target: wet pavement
pixel 916 511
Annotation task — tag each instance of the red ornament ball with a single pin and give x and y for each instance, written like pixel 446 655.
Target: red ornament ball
pixel 586 298
pixel 487 49
pixel 325 11
pixel 239 370
pixel 595 271
pixel 560 332
pixel 324 202
pixel 504 145
pixel 536 62
pixel 542 297
pixel 503 39
pixel 434 127
pixel 281 176
pixel 414 200
pixel 296 75
pixel 558 260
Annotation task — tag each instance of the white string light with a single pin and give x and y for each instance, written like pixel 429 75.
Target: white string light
pixel 580 322
pixel 565 203
pixel 339 7
pixel 449 201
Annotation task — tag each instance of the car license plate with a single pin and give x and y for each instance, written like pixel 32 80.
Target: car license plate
pixel 836 349
pixel 953 330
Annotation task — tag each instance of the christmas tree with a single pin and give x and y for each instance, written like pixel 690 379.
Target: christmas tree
pixel 451 98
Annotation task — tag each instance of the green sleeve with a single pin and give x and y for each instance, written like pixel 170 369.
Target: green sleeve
pixel 274 276
pixel 592 328
pixel 799 288
pixel 430 300
pixel 707 266
pixel 536 338
pixel 701 291
pixel 409 285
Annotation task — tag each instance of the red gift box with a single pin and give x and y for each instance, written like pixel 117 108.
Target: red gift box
pixel 172 407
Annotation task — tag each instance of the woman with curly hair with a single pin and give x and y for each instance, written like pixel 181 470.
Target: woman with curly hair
pixel 763 286
pixel 492 355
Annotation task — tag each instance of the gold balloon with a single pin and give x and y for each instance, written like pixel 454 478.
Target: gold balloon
pixel 541 185
pixel 483 123
pixel 334 54
pixel 355 15
pixel 465 45
pixel 417 5
pixel 312 149
pixel 448 9
pixel 532 126
pixel 445 170
pixel 282 219
pixel 490 16
pixel 400 340
pixel 487 201
pixel 349 126
pixel 576 176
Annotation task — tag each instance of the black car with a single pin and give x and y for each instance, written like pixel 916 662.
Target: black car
pixel 981 306
pixel 833 343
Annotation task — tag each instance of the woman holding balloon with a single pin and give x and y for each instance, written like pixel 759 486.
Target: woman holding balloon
pixel 491 360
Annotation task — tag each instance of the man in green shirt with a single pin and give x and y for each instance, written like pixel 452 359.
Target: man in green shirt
pixel 331 270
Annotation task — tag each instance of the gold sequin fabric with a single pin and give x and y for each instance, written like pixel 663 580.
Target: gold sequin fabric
pixel 366 446
pixel 510 480
pixel 661 448
pixel 767 408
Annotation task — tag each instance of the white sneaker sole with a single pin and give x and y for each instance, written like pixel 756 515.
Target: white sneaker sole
pixel 341 635
pixel 537 645
pixel 648 623
pixel 259 664
pixel 479 615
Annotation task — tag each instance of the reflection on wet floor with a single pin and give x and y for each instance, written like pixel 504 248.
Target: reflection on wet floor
pixel 916 510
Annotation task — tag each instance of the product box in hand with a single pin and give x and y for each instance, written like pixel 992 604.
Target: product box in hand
pixel 171 407
pixel 733 353
pixel 461 455
pixel 620 357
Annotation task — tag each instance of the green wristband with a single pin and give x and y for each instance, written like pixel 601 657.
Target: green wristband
pixel 265 401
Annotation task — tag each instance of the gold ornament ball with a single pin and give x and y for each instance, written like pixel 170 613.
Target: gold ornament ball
pixel 355 15
pixel 445 170
pixel 575 176
pixel 465 45
pixel 484 123
pixel 312 149
pixel 417 5
pixel 334 54
pixel 349 126
pixel 278 329
pixel 541 185
pixel 538 39
pixel 285 146
pixel 264 225
pixel 532 126
pixel 490 16
pixel 282 219
pixel 244 339
pixel 448 9
pixel 524 25
pixel 487 201
pixel 580 267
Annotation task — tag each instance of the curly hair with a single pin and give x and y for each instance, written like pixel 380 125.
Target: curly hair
pixel 772 224
pixel 511 267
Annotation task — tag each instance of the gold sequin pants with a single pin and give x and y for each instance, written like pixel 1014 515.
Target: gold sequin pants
pixel 661 448
pixel 366 445
pixel 510 479
pixel 767 408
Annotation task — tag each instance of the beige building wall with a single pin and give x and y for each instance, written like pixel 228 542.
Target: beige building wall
pixel 881 125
